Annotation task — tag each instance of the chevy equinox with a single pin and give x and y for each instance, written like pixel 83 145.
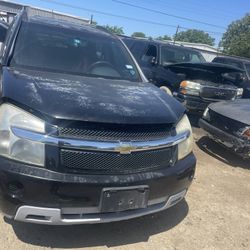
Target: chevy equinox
pixel 84 138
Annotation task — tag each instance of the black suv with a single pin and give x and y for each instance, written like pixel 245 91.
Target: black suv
pixel 242 64
pixel 84 138
pixel 154 57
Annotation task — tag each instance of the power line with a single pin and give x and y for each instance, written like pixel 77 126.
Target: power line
pixel 191 9
pixel 107 14
pixel 123 17
pixel 205 5
pixel 167 14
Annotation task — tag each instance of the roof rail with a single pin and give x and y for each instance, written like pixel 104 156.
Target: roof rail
pixel 102 28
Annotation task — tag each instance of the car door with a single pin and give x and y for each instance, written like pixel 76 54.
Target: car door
pixel 159 75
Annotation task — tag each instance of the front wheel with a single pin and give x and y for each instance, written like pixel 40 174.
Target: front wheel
pixel 166 90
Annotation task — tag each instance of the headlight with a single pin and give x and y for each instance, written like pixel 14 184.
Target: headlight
pixel 206 114
pixel 17 148
pixel 190 88
pixel 246 132
pixel 239 92
pixel 185 147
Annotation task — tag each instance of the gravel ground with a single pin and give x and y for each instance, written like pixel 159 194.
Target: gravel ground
pixel 215 215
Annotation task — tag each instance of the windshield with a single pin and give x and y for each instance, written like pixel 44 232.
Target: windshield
pixel 81 51
pixel 176 55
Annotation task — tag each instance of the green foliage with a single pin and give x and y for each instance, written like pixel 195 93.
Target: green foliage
pixel 165 37
pixel 194 36
pixel 236 40
pixel 138 34
pixel 115 29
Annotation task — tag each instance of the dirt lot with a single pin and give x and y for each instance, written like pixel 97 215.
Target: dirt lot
pixel 215 215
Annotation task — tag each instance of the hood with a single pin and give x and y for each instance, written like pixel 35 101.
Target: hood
pixel 58 96
pixel 216 68
pixel 238 110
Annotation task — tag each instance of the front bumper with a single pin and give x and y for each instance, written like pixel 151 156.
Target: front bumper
pixel 193 104
pixel 38 195
pixel 238 145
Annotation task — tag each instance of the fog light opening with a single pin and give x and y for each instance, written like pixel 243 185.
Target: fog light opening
pixel 38 217
pixel 15 187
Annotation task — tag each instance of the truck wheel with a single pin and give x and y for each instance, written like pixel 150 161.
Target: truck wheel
pixel 167 90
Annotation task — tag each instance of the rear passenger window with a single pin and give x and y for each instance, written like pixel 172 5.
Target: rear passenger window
pixel 195 59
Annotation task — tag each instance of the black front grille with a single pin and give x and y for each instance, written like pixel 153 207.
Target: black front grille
pixel 218 93
pixel 115 134
pixel 111 162
pixel 224 123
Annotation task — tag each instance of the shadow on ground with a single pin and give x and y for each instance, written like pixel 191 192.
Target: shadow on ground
pixel 221 153
pixel 110 234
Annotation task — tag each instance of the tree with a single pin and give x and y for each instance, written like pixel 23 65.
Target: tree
pixel 114 29
pixel 236 40
pixel 138 34
pixel 194 36
pixel 165 37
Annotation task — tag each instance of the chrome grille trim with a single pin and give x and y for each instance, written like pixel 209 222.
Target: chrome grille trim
pixel 108 146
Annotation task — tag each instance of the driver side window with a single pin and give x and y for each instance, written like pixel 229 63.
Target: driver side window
pixel 151 52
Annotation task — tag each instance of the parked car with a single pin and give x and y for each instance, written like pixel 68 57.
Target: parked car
pixel 229 124
pixel 243 82
pixel 206 83
pixel 184 71
pixel 84 138
pixel 154 57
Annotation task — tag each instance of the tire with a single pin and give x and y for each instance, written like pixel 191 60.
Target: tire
pixel 166 90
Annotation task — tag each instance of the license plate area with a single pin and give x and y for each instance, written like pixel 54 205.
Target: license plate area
pixel 122 199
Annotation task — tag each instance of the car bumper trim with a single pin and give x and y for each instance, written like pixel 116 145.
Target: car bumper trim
pixel 55 216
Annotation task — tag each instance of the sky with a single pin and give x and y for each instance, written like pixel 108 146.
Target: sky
pixel 212 16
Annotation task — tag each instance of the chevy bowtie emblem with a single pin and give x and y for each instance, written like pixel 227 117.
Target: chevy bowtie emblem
pixel 125 148
pixel 219 93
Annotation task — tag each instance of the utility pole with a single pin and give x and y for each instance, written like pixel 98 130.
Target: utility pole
pixel 177 30
pixel 91 19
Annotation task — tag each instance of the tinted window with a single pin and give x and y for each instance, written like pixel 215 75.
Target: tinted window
pixel 151 52
pixel 128 42
pixel 137 49
pixel 74 51
pixel 176 55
